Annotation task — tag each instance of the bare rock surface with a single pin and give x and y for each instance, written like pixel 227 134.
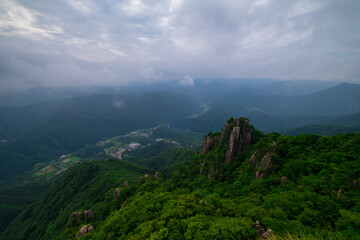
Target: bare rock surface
pixel 84 230
pixel 208 144
pixel 89 214
pixel 261 232
pixel 116 193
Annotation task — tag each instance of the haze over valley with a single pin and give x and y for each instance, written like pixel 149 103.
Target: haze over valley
pixel 179 119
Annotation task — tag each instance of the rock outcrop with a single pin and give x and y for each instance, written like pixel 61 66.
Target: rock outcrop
pixel 283 180
pixel 240 138
pixel 79 217
pixel 233 139
pixel 235 135
pixel 267 234
pixel 157 175
pixel 338 193
pixel 261 232
pixel 263 166
pixel 75 219
pixel 84 230
pixel 355 183
pixel 208 144
pixel 125 184
pixel 116 193
pixel 89 214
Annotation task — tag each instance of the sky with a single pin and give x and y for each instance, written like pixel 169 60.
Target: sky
pixel 109 42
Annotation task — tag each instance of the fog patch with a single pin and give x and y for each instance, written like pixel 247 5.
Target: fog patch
pixel 187 81
pixel 118 103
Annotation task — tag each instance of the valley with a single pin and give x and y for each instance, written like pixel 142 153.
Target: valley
pixel 239 176
pixel 179 120
pixel 147 134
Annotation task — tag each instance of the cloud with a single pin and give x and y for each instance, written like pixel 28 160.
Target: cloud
pixel 67 43
pixel 118 103
pixel 187 81
pixel 16 20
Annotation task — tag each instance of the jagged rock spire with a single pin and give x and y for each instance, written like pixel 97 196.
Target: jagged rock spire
pixel 235 133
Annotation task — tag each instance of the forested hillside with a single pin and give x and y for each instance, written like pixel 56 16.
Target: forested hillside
pixel 41 132
pixel 305 186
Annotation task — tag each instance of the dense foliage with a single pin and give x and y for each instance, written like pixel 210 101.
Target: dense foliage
pixel 311 189
pixel 80 188
pixel 44 131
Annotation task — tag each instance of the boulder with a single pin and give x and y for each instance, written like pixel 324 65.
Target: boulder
pixel 88 215
pixel 257 227
pixel 338 193
pixel 355 183
pixel 283 180
pixel 84 230
pixel 261 232
pixel 116 193
pixel 125 184
pixel 267 234
pixel 75 219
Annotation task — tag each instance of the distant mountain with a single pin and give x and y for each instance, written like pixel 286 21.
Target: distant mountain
pixel 201 89
pixel 333 106
pixel 37 95
pixel 321 129
pixel 47 130
pixel 299 87
pixel 242 185
pixel 342 99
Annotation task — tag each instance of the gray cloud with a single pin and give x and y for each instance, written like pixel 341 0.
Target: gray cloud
pixel 73 42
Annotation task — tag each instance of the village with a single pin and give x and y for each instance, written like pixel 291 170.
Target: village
pixel 118 153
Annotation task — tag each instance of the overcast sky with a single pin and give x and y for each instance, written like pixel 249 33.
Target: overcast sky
pixel 76 43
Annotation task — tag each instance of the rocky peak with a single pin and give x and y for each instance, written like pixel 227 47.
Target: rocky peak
pixel 208 144
pixel 235 134
pixel 240 138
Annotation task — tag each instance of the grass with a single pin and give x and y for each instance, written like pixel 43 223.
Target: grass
pixel 323 235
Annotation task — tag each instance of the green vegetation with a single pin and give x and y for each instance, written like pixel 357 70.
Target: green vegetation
pixel 321 129
pixel 310 190
pixel 80 188
pixel 42 132
pixel 11 205
pixel 162 156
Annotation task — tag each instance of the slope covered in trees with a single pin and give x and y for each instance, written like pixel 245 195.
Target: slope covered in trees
pixel 42 132
pixel 304 186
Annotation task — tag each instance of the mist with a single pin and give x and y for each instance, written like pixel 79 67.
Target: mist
pixel 81 44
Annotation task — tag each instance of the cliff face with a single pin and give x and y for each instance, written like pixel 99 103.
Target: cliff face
pixel 262 165
pixel 235 136
pixel 240 138
pixel 208 144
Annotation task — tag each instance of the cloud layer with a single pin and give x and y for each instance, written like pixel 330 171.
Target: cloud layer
pixel 77 43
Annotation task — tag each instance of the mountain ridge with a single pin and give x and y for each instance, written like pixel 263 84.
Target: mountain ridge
pixel 292 185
